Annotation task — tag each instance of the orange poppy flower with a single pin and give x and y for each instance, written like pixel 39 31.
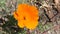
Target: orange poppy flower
pixel 27 16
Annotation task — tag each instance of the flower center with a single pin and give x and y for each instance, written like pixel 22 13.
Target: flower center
pixel 24 18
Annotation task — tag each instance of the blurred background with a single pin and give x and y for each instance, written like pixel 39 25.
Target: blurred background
pixel 49 17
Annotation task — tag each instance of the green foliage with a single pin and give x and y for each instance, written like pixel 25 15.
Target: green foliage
pixel 10 28
pixel 2 4
pixel 40 27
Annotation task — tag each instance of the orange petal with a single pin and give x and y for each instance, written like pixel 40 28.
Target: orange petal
pixel 31 24
pixel 15 15
pixel 21 24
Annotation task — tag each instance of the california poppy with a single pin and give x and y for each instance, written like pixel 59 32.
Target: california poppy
pixel 27 16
